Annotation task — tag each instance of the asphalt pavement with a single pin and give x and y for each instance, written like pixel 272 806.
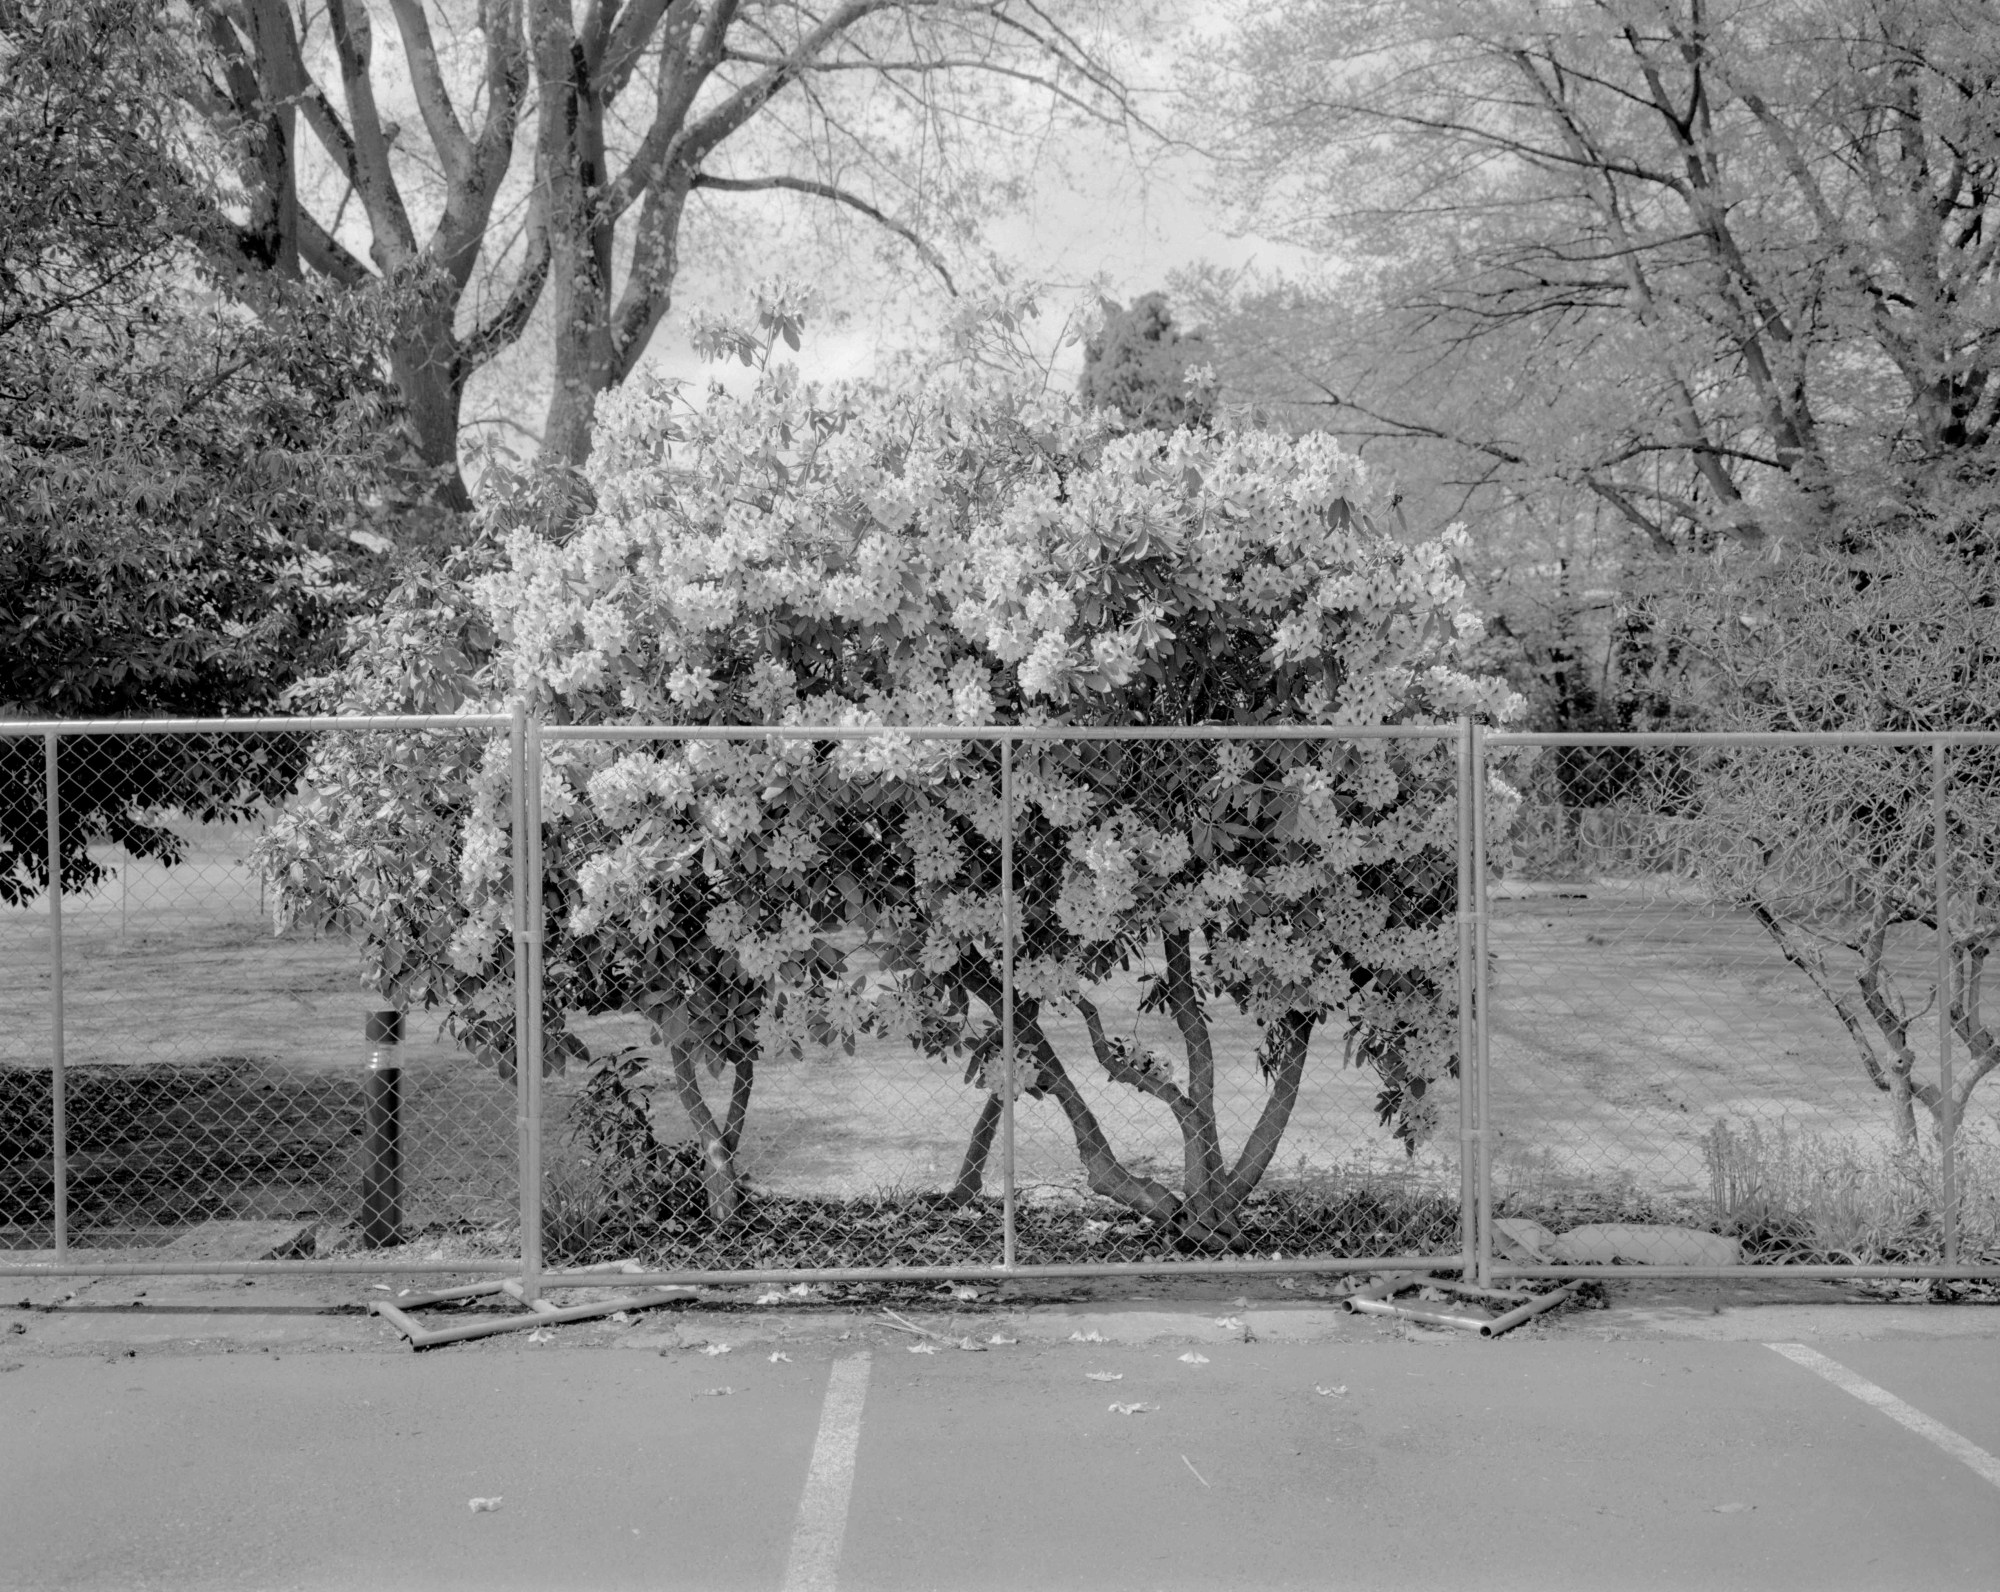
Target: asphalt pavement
pixel 211 1435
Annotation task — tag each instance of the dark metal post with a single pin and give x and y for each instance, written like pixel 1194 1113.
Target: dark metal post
pixel 382 1136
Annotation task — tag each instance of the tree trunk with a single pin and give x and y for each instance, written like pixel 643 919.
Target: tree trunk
pixel 1902 1110
pixel 1272 1121
pixel 717 1147
pixel 572 177
pixel 597 343
pixel 742 1075
pixel 580 290
pixel 1201 1143
pixel 1102 1169
pixel 972 1170
pixel 423 355
pixel 1213 1225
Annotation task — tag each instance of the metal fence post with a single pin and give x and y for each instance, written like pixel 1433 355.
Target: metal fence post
pixel 1468 1217
pixel 58 1074
pixel 527 1011
pixel 1007 1000
pixel 517 819
pixel 528 1051
pixel 1482 1013
pixel 1948 1118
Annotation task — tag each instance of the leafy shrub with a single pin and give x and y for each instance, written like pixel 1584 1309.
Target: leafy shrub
pixel 968 552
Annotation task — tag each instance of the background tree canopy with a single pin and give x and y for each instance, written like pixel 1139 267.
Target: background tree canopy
pixel 548 164
pixel 1139 366
pixel 189 495
pixel 1621 281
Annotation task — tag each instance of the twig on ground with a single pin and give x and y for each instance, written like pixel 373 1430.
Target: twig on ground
pixel 903 1324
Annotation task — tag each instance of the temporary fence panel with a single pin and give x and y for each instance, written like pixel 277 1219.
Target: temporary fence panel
pixel 1725 1002
pixel 848 1003
pixel 719 927
pixel 185 1077
pixel 787 973
pixel 1183 906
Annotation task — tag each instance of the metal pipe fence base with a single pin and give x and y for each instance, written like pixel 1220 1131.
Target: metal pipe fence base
pixel 1379 1298
pixel 540 1312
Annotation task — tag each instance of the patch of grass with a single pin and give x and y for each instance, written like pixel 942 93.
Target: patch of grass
pixel 168 1145
pixel 162 1146
pixel 1827 1198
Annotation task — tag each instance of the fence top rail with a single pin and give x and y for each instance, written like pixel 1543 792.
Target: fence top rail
pixel 996 732
pixel 1746 738
pixel 267 726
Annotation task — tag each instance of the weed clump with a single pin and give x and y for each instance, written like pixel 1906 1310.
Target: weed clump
pixel 1843 1199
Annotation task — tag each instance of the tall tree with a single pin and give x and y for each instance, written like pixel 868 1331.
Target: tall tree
pixel 182 486
pixel 1726 265
pixel 627 111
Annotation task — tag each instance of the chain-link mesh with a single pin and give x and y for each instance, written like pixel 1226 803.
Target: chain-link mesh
pixel 728 1086
pixel 775 973
pixel 224 898
pixel 1714 977
pixel 1244 954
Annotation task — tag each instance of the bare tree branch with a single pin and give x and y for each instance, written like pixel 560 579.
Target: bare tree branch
pixel 395 242
pixel 827 190
pixel 433 99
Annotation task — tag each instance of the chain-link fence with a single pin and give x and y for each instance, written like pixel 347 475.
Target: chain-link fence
pixel 185 1079
pixel 869 1002
pixel 1729 1021
pixel 786 973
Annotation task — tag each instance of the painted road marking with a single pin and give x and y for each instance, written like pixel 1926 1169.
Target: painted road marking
pixel 829 1480
pixel 1960 1448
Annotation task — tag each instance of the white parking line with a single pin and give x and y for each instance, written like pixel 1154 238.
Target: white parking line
pixel 822 1526
pixel 1916 1420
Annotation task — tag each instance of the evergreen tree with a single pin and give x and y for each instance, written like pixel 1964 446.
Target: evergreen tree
pixel 1138 367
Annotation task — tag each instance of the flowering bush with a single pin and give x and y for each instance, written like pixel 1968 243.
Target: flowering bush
pixel 961 552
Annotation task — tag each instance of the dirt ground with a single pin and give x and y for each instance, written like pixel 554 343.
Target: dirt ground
pixel 1626 1022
